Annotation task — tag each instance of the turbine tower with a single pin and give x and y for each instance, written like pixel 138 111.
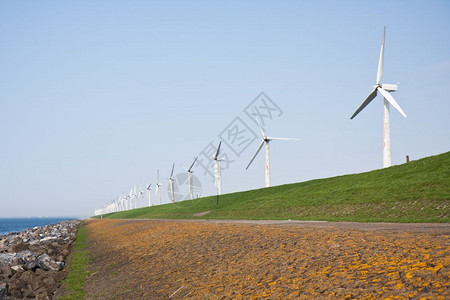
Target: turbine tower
pixel 190 174
pixel 171 180
pixel 218 170
pixel 149 189
pixel 385 90
pixel 158 187
pixel 266 140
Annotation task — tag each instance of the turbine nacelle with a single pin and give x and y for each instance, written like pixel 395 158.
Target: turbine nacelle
pixel 389 87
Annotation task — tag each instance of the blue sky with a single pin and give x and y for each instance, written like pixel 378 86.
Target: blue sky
pixel 96 96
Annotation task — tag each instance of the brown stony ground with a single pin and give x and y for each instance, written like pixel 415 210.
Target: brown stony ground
pixel 205 260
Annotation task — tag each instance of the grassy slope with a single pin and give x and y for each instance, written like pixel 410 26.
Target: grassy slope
pixel 415 192
pixel 74 283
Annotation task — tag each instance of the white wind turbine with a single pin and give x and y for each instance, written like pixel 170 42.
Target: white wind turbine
pixel 158 187
pixel 218 170
pixel 149 189
pixel 135 196
pixel 384 90
pixel 141 195
pixel 171 180
pixel 130 197
pixel 118 204
pixel 125 199
pixel 122 203
pixel 266 140
pixel 190 174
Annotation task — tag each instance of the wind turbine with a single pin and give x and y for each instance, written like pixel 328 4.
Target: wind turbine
pixel 130 196
pixel 218 170
pixel 266 140
pixel 141 195
pixel 384 90
pixel 190 173
pixel 149 189
pixel 122 203
pixel 171 180
pixel 158 187
pixel 125 202
pixel 136 198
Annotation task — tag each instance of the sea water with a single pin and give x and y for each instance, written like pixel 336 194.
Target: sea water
pixel 9 225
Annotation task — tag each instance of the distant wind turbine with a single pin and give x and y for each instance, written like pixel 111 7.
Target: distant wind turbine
pixel 149 189
pixel 266 140
pixel 130 196
pixel 135 196
pixel 125 199
pixel 171 180
pixel 141 195
pixel 158 187
pixel 190 174
pixel 218 170
pixel 384 90
pixel 122 202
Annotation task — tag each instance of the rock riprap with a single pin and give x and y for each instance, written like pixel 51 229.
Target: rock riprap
pixel 32 261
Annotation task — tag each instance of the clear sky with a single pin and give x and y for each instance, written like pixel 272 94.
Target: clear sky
pixel 95 96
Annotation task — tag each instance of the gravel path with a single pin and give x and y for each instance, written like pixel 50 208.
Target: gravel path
pixel 435 228
pixel 186 259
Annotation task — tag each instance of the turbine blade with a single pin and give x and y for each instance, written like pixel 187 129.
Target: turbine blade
pixel 157 175
pixel 192 164
pixel 391 100
pixel 369 98
pixel 218 151
pixel 171 173
pixel 256 153
pixel 380 62
pixel 259 125
pixel 283 139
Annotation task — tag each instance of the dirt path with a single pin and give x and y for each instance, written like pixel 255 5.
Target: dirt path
pixel 433 228
pixel 149 259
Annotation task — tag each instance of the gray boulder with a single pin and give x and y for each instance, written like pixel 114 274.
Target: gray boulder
pixel 44 262
pixel 6 272
pixel 4 244
pixel 3 291
pixel 8 259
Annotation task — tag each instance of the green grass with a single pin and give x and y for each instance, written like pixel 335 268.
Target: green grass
pixel 74 282
pixel 418 191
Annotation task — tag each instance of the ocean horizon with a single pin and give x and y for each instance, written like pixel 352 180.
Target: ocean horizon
pixel 8 225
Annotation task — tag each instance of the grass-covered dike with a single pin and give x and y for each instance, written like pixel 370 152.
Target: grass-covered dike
pixel 74 282
pixel 418 191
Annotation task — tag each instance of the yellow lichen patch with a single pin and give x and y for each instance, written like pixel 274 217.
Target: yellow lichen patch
pixel 198 260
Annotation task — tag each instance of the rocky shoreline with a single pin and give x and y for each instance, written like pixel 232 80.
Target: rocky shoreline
pixel 32 262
